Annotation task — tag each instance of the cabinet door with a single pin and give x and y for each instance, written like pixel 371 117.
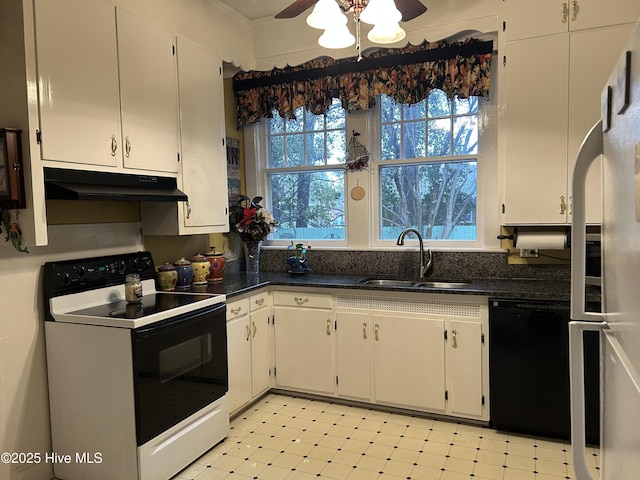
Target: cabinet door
pixel 536 117
pixel 239 359
pixel 596 13
pixel 353 347
pixel 304 349
pixel 78 92
pixel 464 368
pixel 149 94
pixel 409 361
pixel 525 19
pixel 203 160
pixel 587 78
pixel 260 351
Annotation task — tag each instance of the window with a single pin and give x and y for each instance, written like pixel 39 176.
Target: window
pixel 428 169
pixel 305 174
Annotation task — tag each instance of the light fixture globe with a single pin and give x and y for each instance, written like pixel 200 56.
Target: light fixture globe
pixel 325 14
pixel 336 36
pixel 386 33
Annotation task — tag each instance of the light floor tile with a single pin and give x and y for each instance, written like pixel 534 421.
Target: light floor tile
pixel 283 437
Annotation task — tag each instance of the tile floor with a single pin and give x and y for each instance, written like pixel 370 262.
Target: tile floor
pixel 287 438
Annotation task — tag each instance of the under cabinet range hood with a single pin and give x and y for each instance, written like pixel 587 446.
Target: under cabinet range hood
pixel 63 184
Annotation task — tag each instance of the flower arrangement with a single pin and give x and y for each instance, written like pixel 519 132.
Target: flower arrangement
pixel 298 260
pixel 250 220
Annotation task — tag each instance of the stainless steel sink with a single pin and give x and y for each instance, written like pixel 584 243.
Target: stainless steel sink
pixel 443 284
pixel 387 282
pixel 391 282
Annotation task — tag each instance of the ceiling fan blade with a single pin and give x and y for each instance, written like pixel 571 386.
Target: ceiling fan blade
pixel 410 9
pixel 296 8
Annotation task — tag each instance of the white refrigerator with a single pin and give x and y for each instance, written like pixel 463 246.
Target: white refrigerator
pixel 617 138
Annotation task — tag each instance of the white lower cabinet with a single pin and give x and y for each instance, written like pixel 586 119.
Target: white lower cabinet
pixel 304 341
pixel 249 348
pixel 423 352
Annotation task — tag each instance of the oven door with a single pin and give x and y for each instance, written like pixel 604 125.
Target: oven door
pixel 180 366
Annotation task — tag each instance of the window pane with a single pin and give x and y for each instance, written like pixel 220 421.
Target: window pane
pixel 465 105
pixel 436 198
pixel 416 111
pixel 439 104
pixel 295 150
pixel 276 124
pixel 465 131
pixel 308 205
pixel 390 141
pixel 313 122
pixel 389 109
pixel 336 146
pixel 276 152
pixel 439 138
pixel 315 148
pixel 297 124
pixel 415 139
pixel 335 116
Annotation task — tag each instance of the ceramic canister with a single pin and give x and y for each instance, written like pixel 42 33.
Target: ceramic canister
pixel 216 261
pixel 167 277
pixel 185 274
pixel 201 266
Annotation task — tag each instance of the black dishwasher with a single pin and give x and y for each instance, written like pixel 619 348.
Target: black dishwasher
pixel 529 369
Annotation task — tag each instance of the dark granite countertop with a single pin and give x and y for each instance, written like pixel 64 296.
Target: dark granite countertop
pixel 523 288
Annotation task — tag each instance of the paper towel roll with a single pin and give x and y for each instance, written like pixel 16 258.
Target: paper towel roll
pixel 541 240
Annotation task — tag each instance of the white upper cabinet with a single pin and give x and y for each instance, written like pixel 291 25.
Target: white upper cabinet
pixel 78 89
pixel 107 89
pixel 149 95
pixel 526 19
pixel 203 165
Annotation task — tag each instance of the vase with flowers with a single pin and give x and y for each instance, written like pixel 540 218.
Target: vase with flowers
pixel 252 223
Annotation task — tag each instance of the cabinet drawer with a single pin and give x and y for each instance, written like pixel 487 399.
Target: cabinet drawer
pixel 237 309
pixel 303 299
pixel 259 300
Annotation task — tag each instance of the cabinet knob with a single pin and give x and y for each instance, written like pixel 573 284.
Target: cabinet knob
pixel 255 329
pixel 259 301
pixel 574 10
pixel 235 311
pixel 454 341
pixel 565 13
pixel 248 333
pixel 188 210
pixel 328 326
pixel 364 330
pixel 563 205
pixel 375 332
pixel 300 300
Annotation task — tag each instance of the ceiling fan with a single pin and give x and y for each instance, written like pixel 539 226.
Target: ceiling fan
pixel 409 9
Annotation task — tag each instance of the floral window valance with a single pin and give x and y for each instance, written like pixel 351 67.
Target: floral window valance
pixel 407 75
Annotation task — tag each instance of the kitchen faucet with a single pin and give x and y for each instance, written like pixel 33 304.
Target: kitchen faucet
pixel 423 267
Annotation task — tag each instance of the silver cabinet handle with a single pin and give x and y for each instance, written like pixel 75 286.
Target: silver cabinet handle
pixel 563 205
pixel 300 300
pixel 375 332
pixel 574 10
pixel 328 326
pixel 127 146
pixel 565 13
pixel 235 311
pixel 454 340
pixel 114 145
pixel 248 333
pixel 364 330
pixel 255 329
pixel 259 301
pixel 188 210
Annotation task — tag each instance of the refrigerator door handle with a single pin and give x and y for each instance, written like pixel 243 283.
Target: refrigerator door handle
pixel 576 382
pixel 590 150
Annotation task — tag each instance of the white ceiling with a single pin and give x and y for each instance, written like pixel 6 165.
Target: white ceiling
pixel 255 9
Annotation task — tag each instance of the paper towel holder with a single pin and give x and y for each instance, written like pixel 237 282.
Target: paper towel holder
pixel 514 237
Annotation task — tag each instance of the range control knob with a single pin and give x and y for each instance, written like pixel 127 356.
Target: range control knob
pixel 64 278
pixel 80 270
pixel 122 266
